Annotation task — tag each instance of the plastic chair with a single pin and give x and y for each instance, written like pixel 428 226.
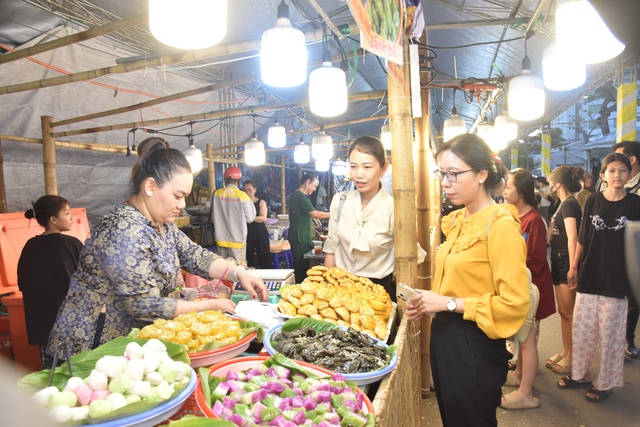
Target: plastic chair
pixel 285 256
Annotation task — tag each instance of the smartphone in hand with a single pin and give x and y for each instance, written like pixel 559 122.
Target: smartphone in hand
pixel 405 292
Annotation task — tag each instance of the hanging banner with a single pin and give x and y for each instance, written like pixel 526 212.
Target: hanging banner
pixel 546 154
pixel 626 118
pixel 514 157
pixel 381 26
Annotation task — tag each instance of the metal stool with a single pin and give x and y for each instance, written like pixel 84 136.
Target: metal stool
pixel 285 256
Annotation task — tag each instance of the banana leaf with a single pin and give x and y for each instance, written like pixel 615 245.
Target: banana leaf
pixel 193 421
pixel 83 363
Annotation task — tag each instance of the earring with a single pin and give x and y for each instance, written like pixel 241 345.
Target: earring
pixel 481 182
pixel 148 193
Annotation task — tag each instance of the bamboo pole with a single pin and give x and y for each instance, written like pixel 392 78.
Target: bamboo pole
pixel 211 168
pixel 404 196
pixel 334 125
pixel 283 190
pixel 48 156
pixel 3 192
pixel 363 96
pixel 423 187
pixel 107 148
pixel 74 38
pixel 175 58
pixel 161 100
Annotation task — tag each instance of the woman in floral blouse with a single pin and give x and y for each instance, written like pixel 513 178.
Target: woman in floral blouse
pixel 130 264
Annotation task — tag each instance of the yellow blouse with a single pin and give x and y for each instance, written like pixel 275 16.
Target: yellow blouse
pixel 492 280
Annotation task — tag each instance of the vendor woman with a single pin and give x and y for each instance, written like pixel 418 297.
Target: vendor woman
pixel 130 264
pixel 361 225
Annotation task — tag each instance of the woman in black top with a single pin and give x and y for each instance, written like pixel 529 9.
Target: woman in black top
pixel 46 265
pixel 563 231
pixel 257 234
pixel 600 275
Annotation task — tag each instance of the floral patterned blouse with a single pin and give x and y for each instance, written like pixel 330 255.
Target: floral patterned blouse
pixel 126 269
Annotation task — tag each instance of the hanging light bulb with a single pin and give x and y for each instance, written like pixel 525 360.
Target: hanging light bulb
pixel 277 137
pixel 301 153
pixel 504 127
pixel 385 136
pixel 283 54
pixel 582 35
pixel 327 87
pixel 322 165
pixel 526 96
pixel 194 156
pixel 254 153
pixel 454 125
pixel 188 24
pixel 561 72
pixel 339 167
pixel 485 130
pixel 322 146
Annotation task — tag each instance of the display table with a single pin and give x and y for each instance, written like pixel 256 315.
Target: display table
pixel 314 259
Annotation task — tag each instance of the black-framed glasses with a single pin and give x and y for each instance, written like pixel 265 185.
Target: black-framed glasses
pixel 450 176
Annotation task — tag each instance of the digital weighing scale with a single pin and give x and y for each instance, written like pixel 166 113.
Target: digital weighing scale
pixel 273 279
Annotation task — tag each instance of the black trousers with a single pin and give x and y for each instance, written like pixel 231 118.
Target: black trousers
pixel 468 369
pixel 258 243
pixel 632 318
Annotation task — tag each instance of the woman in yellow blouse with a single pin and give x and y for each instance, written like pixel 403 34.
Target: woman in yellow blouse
pixel 480 293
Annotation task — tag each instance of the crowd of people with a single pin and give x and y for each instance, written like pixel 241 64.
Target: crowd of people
pixel 481 291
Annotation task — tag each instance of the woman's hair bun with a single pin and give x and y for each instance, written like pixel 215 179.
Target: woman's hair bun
pixel 29 214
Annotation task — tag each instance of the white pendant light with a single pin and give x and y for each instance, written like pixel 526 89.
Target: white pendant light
pixel 322 165
pixel 385 136
pixel 485 130
pixel 327 91
pixel 283 54
pixel 453 126
pixel 327 86
pixel 504 127
pixel 301 153
pixel 194 156
pixel 254 154
pixel 526 96
pixel 561 72
pixel 339 167
pixel 277 136
pixel 188 24
pixel 582 35
pixel 322 146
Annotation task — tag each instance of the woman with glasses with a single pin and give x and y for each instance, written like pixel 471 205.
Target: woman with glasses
pixel 564 182
pixel 480 292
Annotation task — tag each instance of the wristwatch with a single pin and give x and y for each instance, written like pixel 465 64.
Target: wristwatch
pixel 452 304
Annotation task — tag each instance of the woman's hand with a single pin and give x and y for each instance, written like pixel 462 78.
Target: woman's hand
pixel 223 304
pixel 572 278
pixel 254 285
pixel 427 302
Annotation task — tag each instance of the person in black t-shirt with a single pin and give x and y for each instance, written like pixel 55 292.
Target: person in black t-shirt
pixel 45 267
pixel 599 272
pixel 563 233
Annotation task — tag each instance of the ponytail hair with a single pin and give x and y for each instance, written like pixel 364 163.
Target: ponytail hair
pixel 157 161
pixel 524 183
pixel 569 177
pixel 46 207
pixel 476 153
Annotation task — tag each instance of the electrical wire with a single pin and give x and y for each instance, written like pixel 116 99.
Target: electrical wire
pixel 472 44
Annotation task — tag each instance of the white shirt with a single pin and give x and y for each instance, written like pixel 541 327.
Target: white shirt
pixel 362 239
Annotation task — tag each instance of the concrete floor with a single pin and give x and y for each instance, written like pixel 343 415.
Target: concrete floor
pixel 564 408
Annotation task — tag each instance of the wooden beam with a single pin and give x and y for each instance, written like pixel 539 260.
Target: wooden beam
pixel 333 125
pixel 241 111
pixel 74 38
pixel 161 100
pixel 107 148
pixel 3 192
pixel 48 157
pixel 175 58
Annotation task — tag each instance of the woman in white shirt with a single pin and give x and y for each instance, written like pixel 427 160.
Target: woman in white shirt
pixel 361 222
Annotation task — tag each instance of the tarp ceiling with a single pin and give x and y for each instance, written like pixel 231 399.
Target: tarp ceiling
pixel 479 51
